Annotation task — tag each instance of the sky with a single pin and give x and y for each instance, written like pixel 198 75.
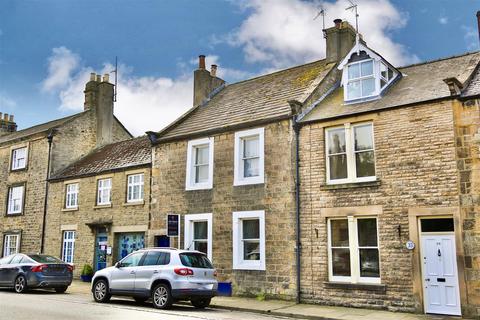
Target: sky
pixel 49 47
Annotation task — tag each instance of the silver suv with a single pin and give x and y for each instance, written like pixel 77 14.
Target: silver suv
pixel 163 274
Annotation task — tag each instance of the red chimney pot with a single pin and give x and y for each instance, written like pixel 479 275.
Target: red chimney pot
pixel 201 61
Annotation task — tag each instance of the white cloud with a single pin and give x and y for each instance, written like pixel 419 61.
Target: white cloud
pixel 61 64
pixel 6 102
pixel 281 33
pixel 443 20
pixel 143 103
pixel 470 35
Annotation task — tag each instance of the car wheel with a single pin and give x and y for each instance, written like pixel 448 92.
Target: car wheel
pixel 61 289
pixel 100 291
pixel 20 284
pixel 140 299
pixel 201 303
pixel 161 296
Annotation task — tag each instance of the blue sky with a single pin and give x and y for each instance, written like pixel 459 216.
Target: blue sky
pixel 49 47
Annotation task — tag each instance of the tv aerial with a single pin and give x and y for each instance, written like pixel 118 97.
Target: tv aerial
pixel 321 12
pixel 354 7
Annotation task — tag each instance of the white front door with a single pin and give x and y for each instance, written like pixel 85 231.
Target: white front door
pixel 440 274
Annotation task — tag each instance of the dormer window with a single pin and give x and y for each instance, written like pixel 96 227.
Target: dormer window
pixel 361 80
pixel 365 74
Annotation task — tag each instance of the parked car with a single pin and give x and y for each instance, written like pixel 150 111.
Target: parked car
pixel 26 271
pixel 165 275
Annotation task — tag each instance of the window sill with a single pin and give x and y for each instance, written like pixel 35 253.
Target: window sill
pixel 380 288
pixel 14 214
pixel 375 183
pixel 239 183
pixel 102 206
pixel 247 267
pixel 134 203
pixel 19 170
pixel 198 187
pixel 70 209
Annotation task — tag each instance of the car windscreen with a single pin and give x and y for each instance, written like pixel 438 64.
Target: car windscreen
pixel 195 260
pixel 6 260
pixel 42 258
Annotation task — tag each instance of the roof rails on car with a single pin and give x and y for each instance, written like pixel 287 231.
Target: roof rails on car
pixel 166 248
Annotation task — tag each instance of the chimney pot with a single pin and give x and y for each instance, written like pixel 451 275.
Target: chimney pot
pixel 338 23
pixel 11 118
pixel 106 77
pixel 99 78
pixel 478 23
pixel 201 61
pixel 213 70
pixel 92 76
pixel 5 116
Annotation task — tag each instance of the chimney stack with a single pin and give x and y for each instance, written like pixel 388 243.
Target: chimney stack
pixel 340 39
pixel 7 125
pixel 99 101
pixel 478 23
pixel 204 82
pixel 213 70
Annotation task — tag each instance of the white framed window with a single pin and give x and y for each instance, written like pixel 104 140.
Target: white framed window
pixel 249 240
pixel 19 158
pixel 71 196
pixel 104 190
pixel 199 173
pixel 353 250
pixel 68 246
pixel 249 157
pixel 361 80
pixel 350 153
pixel 15 199
pixel 11 244
pixel 135 187
pixel 198 233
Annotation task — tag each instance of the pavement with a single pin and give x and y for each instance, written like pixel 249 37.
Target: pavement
pixel 280 308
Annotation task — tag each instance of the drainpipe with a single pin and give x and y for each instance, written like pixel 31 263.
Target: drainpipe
pixel 42 239
pixel 298 244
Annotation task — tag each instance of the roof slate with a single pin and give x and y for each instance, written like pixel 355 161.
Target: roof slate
pixel 420 82
pixel 261 98
pixel 37 129
pixel 120 155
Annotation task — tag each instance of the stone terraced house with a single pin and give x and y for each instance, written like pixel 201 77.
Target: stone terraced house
pixel 29 156
pixel 98 207
pixel 389 192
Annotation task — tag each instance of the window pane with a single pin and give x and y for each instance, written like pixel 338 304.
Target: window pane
pixel 353 71
pixel 339 233
pixel 336 141
pixel 367 232
pixel 251 229
pixel 363 137
pixel 437 225
pixel 341 262
pixel 201 173
pixel 383 71
pixel 132 260
pixel 338 166
pixel 353 90
pixel 201 246
pixel 367 68
pixel 251 250
pixel 365 164
pixel 200 230
pixel 369 266
pixel 390 74
pixel 250 147
pixel 368 87
pixel 251 168
pixel 201 155
pixel 152 258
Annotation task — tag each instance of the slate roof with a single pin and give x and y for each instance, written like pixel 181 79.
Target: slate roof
pixel 116 156
pixel 262 98
pixel 473 87
pixel 420 82
pixel 37 129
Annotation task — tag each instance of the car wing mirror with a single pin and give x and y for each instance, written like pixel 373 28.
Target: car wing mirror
pixel 118 265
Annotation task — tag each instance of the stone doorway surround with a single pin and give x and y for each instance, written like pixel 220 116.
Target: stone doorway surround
pixel 414 216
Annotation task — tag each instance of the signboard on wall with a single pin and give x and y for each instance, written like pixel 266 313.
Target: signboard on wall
pixel 173 225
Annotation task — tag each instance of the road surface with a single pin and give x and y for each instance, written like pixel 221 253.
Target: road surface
pixel 46 305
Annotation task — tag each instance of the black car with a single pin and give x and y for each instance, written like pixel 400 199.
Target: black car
pixel 25 271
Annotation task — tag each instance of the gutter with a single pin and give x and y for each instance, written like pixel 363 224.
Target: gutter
pixel 44 219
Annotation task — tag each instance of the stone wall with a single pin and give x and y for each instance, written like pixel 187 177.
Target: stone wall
pixel 275 196
pixel 124 217
pixel 467 134
pixel 415 167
